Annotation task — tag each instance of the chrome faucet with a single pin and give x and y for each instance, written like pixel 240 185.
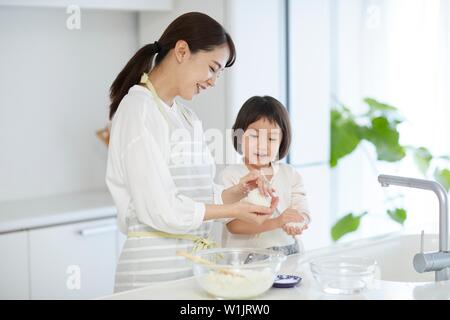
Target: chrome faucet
pixel 428 261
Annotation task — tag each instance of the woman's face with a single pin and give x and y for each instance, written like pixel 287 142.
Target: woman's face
pixel 261 142
pixel 199 71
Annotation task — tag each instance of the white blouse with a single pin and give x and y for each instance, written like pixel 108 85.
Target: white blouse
pixel 289 187
pixel 138 174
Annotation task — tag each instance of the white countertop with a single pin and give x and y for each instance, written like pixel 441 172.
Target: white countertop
pixel 187 289
pixel 42 212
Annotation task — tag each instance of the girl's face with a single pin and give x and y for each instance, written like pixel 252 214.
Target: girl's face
pixel 199 71
pixel 261 142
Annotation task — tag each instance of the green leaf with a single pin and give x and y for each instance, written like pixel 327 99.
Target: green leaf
pixel 345 136
pixel 376 105
pixel 348 223
pixel 385 137
pixel 377 109
pixel 443 177
pixel 398 215
pixel 422 158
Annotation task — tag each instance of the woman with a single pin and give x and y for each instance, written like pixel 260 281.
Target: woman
pixel 163 185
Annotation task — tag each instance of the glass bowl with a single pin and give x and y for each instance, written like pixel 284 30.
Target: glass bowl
pixel 237 273
pixel 344 275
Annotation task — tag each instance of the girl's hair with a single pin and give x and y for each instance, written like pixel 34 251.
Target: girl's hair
pixel 264 107
pixel 200 31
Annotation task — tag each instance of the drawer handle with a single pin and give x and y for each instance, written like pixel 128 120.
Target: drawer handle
pixel 97 230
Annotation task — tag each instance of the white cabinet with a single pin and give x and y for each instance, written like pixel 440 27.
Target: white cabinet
pixel 14 266
pixel 74 261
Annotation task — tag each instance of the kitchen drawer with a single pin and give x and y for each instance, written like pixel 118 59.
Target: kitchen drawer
pixel 74 261
pixel 14 266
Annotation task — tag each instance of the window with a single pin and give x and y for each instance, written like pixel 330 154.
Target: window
pixel 397 52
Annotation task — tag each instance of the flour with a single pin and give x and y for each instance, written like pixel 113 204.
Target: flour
pixel 252 284
pixel 299 225
pixel 255 197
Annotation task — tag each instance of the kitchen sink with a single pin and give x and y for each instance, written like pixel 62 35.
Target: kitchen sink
pixel 394 254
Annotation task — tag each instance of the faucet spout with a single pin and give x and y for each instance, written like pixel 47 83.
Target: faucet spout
pixel 434 186
pixel 429 261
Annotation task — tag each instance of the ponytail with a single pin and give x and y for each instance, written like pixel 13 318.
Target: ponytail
pixel 130 75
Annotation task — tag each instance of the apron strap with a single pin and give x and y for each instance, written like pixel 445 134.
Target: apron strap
pixel 199 242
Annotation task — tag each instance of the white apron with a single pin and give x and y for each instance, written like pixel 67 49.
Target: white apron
pixel 148 256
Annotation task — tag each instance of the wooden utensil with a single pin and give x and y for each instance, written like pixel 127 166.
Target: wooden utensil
pixel 207 262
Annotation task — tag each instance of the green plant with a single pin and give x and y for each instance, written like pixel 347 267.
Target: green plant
pixel 378 125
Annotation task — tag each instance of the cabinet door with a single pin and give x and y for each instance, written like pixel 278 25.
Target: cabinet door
pixel 75 261
pixel 14 266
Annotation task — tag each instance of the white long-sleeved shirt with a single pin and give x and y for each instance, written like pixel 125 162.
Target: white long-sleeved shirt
pixel 290 189
pixel 138 175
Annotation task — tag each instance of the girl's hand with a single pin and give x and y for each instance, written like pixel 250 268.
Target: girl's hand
pixel 253 213
pixel 293 231
pixel 254 179
pixel 291 216
pixel 288 215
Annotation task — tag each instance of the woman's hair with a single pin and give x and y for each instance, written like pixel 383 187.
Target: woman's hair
pixel 263 107
pixel 200 31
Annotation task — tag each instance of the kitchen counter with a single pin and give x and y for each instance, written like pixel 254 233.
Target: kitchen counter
pixel 61 209
pixel 187 289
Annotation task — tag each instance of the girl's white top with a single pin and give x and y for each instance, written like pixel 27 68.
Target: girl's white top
pixel 138 174
pixel 289 187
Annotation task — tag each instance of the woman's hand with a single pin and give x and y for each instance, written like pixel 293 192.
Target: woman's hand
pixel 253 213
pixel 254 179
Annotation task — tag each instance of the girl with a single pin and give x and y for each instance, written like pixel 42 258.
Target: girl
pixel 262 134
pixel 160 174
